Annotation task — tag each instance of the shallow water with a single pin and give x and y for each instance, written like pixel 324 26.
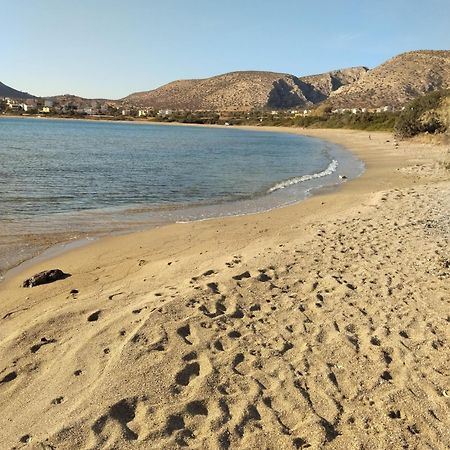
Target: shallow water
pixel 76 178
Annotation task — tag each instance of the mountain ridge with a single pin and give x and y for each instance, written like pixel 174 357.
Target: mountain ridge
pixel 392 83
pixel 7 91
pixel 397 80
pixel 241 90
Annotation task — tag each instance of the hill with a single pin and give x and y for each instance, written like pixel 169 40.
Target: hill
pixel 245 91
pixel 397 81
pixel 393 83
pixel 6 91
pixel 326 83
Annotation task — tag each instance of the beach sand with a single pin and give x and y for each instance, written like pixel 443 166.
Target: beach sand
pixel 320 325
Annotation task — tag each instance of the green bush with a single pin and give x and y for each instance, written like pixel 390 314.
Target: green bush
pixel 419 115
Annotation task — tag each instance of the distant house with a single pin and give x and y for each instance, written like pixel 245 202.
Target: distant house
pixel 45 110
pixel 15 106
pixel 165 112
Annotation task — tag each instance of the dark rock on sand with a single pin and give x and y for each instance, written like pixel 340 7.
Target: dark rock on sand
pixel 45 277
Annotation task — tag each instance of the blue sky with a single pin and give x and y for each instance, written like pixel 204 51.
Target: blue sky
pixel 110 48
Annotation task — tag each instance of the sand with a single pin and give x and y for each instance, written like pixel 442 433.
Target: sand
pixel 320 325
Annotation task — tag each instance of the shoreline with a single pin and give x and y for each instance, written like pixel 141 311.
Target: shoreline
pixel 322 323
pixel 58 247
pixel 39 243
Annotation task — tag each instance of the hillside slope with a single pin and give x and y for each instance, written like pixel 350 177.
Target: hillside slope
pixel 245 91
pixel 6 91
pixel 397 81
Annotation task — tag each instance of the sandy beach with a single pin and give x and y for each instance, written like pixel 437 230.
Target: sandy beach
pixel 320 325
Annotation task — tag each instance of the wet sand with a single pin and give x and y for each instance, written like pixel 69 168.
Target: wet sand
pixel 319 325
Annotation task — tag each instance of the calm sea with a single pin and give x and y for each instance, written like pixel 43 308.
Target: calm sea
pixel 68 179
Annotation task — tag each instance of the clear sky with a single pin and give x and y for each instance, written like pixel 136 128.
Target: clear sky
pixel 110 48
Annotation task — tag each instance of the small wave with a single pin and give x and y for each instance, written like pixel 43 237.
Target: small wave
pixel 283 184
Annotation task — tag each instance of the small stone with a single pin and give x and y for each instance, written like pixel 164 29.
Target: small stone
pixel 45 277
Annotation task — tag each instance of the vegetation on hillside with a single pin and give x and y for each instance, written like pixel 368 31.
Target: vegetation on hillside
pixel 384 121
pixel 425 114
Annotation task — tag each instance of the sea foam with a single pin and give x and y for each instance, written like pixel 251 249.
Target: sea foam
pixel 291 181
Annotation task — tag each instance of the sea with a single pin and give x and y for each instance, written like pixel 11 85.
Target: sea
pixel 65 181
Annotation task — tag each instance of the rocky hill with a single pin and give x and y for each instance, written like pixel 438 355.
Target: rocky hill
pixel 397 81
pixel 6 91
pixel 231 91
pixel 326 83
pixel 393 83
pixel 246 90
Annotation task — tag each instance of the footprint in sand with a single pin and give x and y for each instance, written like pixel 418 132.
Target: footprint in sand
pixel 25 439
pixel 192 370
pixel 122 412
pixel 187 374
pixel 197 408
pixel 242 275
pixel 10 377
pixel 174 422
pixel 44 341
pixel 187 334
pixel 220 309
pixel 213 287
pixel 94 316
pixel 387 357
pixel 237 314
pixel 386 376
pixel 234 334
pixel 251 415
pixel 238 359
